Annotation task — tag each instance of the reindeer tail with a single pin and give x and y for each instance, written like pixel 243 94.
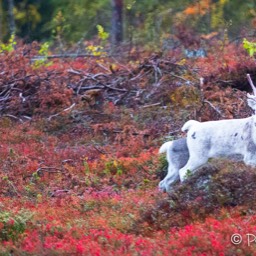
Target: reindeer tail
pixel 186 127
pixel 165 147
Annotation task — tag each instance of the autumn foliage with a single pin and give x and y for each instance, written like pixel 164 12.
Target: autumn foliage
pixel 79 155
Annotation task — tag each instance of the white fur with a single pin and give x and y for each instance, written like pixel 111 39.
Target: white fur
pixel 188 125
pixel 213 139
pixel 220 138
pixel 164 148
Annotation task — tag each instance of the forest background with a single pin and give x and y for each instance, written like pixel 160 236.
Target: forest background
pixel 142 22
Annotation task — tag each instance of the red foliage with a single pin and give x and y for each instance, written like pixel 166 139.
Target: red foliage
pixel 79 181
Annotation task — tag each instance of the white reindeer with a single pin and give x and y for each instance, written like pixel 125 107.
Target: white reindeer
pixel 211 139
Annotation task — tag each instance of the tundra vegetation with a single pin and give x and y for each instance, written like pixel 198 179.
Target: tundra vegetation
pixel 80 137
pixel 79 154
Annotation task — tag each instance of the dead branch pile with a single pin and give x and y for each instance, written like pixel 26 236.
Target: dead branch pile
pixel 27 91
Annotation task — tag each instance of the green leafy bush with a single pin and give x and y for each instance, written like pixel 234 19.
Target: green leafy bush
pixel 13 225
pixel 250 47
pixel 8 47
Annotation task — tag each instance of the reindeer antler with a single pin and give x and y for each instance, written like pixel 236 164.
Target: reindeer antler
pixel 251 84
pixel 251 98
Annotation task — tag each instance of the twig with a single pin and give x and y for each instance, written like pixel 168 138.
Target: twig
pixel 75 72
pixel 103 67
pixel 97 75
pixel 13 187
pixel 58 192
pixel 151 105
pixel 115 89
pixel 101 151
pixel 225 82
pixel 48 169
pixel 121 65
pixel 5 97
pixel 212 106
pixel 140 75
pixel 157 71
pixel 44 169
pixel 67 160
pixel 122 132
pixel 66 109
pixel 27 117
pixel 180 77
pixel 14 117
pixel 90 88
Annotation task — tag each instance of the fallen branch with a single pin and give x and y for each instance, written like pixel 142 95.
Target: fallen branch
pixel 66 109
pixel 68 55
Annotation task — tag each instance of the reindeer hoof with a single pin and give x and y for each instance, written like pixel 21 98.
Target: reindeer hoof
pixel 162 186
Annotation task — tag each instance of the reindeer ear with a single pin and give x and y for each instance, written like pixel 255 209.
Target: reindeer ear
pixel 251 101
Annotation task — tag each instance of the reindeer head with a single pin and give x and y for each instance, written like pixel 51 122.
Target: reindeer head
pixel 251 98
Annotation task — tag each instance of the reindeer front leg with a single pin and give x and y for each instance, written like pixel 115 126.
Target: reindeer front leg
pixel 250 158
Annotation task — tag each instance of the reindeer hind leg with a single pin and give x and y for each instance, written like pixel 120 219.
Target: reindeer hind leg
pixel 193 163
